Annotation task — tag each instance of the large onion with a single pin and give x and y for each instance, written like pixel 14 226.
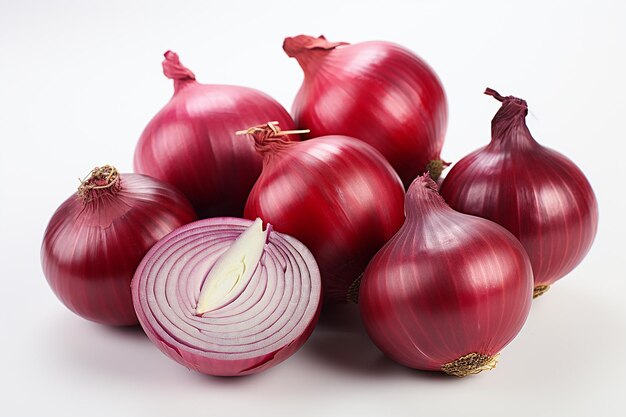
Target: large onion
pixel 378 92
pixel 95 241
pixel 538 194
pixel 191 142
pixel 223 297
pixel 336 194
pixel 448 291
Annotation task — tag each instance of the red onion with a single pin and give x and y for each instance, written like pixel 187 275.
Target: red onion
pixel 378 92
pixel 191 143
pixel 336 194
pixel 95 241
pixel 448 291
pixel 536 193
pixel 224 297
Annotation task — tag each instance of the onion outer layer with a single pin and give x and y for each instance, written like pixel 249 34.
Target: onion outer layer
pixel 536 193
pixel 191 142
pixel 94 241
pixel 336 194
pixel 378 92
pixel 448 291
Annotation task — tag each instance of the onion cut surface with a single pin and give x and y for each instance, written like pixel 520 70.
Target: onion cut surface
pixel 258 325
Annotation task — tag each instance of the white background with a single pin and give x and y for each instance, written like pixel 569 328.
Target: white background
pixel 79 81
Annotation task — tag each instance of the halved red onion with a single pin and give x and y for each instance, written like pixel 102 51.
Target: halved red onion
pixel 224 297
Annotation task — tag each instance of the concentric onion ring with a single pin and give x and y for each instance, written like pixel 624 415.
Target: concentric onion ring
pixel 260 327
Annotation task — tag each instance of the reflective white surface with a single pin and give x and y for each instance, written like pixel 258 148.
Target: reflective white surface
pixel 78 82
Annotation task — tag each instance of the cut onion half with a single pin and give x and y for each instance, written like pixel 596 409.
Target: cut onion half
pixel 224 297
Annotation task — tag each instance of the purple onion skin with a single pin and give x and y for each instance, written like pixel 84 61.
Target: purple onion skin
pixel 378 92
pixel 536 193
pixel 446 285
pixel 157 318
pixel 191 142
pixel 90 250
pixel 335 194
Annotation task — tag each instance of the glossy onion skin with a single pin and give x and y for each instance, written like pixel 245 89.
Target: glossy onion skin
pixel 335 194
pixel 90 251
pixel 538 194
pixel 266 324
pixel 378 92
pixel 446 285
pixel 191 142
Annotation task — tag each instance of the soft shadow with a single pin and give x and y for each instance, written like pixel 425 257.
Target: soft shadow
pixel 131 332
pixel 128 353
pixel 355 353
pixel 239 381
pixel 341 318
pixel 341 342
pixel 83 346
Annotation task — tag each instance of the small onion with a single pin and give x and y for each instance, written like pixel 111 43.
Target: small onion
pixel 336 194
pixel 94 241
pixel 448 291
pixel 378 92
pixel 191 142
pixel 224 297
pixel 538 194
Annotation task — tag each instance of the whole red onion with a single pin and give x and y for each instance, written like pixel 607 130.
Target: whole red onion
pixel 191 143
pixel 538 194
pixel 335 194
pixel 224 297
pixel 378 92
pixel 448 291
pixel 95 241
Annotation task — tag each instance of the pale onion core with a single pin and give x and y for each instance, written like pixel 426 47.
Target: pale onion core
pixel 233 270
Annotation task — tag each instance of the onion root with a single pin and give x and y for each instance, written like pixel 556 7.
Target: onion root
pixel 100 178
pixel 353 291
pixel 436 167
pixel 470 364
pixel 540 290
